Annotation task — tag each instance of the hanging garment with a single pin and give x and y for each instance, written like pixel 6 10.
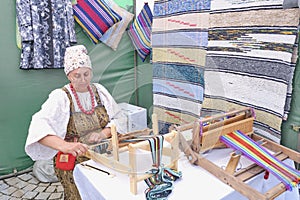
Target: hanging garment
pixel 46 28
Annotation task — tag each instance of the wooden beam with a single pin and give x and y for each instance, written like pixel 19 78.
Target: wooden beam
pixel 229 179
pixel 275 147
pixel 275 191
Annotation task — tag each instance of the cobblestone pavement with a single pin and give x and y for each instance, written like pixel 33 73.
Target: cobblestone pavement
pixel 26 186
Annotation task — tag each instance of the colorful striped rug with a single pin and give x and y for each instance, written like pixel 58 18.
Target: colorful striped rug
pixel 250 61
pixel 95 17
pixel 237 140
pixel 140 32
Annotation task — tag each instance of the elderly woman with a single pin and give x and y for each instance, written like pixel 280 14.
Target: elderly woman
pixel 74 116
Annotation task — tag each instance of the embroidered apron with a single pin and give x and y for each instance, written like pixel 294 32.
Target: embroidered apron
pixel 79 128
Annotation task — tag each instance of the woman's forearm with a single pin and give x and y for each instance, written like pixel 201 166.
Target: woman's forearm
pixel 53 141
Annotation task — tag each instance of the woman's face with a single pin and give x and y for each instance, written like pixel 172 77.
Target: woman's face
pixel 80 78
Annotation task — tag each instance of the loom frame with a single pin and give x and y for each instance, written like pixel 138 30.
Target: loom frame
pixel 113 161
pixel 229 176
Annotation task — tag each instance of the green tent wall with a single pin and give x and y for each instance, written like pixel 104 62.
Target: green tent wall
pixel 291 128
pixel 23 91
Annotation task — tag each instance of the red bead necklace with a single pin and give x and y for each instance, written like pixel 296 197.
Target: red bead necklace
pixel 78 102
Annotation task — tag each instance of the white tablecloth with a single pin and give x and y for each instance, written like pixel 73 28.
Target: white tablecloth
pixel 195 181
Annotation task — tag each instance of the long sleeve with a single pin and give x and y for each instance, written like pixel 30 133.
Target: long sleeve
pixel 23 10
pixel 51 119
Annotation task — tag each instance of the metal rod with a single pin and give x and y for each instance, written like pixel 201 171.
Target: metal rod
pixel 101 170
pixel 135 63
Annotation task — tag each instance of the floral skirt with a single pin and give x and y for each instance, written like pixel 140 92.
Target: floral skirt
pixel 67 180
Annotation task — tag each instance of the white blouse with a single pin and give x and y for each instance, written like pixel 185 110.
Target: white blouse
pixel 53 118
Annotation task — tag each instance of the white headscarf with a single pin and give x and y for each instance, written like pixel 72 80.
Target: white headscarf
pixel 76 57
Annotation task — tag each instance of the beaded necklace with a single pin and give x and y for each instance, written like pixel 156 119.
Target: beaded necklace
pixel 78 101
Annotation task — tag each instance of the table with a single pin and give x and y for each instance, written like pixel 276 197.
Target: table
pixel 195 181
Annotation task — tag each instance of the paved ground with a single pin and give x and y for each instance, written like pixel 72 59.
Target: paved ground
pixel 26 186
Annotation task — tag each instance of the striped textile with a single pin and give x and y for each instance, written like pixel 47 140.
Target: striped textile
pixel 156 147
pixel 250 61
pixel 160 184
pixel 113 35
pixel 140 32
pixel 95 17
pixel 237 140
pixel 179 41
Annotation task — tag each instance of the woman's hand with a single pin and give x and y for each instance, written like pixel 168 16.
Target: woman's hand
pixel 55 142
pixel 97 137
pixel 75 148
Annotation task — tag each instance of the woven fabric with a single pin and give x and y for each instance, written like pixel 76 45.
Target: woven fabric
pixel 95 17
pixel 254 151
pixel 179 41
pixel 250 61
pixel 290 4
pixel 113 35
pixel 140 32
pixel 161 182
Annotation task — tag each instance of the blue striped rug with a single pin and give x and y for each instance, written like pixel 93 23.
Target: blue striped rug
pixel 179 41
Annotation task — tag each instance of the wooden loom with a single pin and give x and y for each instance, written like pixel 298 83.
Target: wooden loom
pixel 112 161
pixel 215 126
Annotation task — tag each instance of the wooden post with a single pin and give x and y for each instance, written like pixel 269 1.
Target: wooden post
pixel 132 165
pixel 196 143
pixel 233 162
pixel 115 143
pixel 175 150
pixel 155 124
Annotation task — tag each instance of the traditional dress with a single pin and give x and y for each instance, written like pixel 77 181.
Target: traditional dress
pixel 46 28
pixel 59 115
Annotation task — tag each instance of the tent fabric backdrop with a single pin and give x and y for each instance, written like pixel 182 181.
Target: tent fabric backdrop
pixel 179 41
pixel 251 60
pixel 25 91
